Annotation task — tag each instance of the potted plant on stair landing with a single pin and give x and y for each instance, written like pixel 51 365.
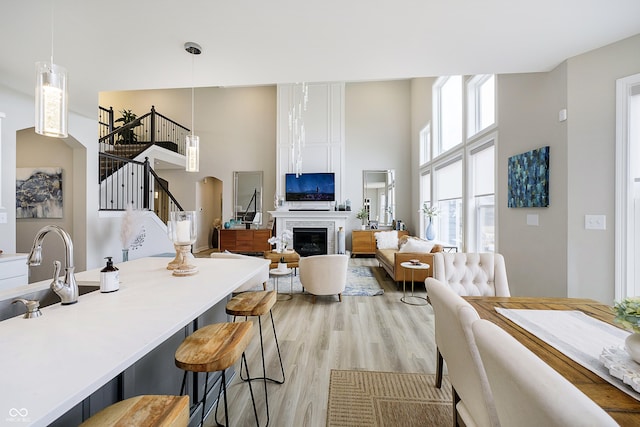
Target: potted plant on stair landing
pixel 128 136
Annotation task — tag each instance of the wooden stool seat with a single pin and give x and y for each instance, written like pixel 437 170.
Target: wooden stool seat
pixel 214 347
pixel 252 303
pixel 143 411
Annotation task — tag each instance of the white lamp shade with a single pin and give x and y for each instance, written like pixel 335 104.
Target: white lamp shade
pixel 258 218
pixel 51 100
pixel 193 153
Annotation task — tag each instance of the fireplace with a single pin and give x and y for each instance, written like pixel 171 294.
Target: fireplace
pixel 310 241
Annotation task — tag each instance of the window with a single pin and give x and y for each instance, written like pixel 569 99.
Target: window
pixel 448 184
pixel 481 103
pixel 457 171
pixel 425 197
pixel 425 144
pixel 482 198
pixel 448 112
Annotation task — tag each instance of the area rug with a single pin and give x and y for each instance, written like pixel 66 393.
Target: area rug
pixel 367 398
pixel 360 282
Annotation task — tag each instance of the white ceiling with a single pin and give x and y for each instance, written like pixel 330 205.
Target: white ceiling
pixel 138 44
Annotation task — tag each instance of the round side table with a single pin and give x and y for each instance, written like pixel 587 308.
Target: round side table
pixel 276 274
pixel 413 268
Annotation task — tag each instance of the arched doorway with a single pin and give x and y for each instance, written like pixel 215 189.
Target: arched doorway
pixel 209 205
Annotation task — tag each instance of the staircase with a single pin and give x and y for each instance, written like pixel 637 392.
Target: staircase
pixel 126 181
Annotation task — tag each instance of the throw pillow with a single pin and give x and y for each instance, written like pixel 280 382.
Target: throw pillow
pixel 387 239
pixel 417 246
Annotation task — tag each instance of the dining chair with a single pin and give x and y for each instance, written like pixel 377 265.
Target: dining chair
pixel 527 391
pixel 324 274
pixel 469 274
pixel 472 398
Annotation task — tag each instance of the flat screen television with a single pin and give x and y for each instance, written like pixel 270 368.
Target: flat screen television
pixel 310 187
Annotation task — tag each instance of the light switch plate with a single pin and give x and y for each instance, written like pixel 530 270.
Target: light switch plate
pixel 532 219
pixel 3 217
pixel 595 222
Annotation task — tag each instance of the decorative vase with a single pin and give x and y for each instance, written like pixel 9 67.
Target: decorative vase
pixel 632 345
pixel 430 234
pixel 363 227
pixel 282 266
pixel 125 255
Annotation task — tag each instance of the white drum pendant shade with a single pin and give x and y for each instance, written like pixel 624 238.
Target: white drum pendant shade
pixel 51 100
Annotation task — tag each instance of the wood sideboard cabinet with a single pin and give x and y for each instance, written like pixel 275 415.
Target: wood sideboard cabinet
pixel 242 240
pixel 363 242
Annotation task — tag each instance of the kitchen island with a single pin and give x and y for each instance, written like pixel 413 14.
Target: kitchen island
pixel 53 363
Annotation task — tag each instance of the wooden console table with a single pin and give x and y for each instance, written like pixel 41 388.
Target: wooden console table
pixel 242 240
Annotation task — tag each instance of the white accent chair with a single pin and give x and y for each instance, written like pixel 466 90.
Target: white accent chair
pixel 470 274
pixel 324 274
pixel 259 279
pixel 527 391
pixel 472 398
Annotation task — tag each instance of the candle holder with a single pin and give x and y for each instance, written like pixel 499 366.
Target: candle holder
pixel 182 232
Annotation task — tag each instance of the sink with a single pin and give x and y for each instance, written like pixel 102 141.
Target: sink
pixel 46 297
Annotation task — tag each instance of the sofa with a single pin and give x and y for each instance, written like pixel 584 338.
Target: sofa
pixel 394 249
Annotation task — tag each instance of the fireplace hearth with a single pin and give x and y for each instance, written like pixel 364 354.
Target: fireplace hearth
pixel 310 241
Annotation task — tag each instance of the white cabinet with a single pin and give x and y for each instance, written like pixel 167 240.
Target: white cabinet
pixel 13 270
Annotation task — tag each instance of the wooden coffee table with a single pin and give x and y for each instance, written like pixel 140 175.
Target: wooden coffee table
pixel 291 257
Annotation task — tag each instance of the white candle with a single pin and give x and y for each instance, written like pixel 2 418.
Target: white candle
pixel 183 231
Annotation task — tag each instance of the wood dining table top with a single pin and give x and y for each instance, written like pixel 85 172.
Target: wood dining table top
pixel 619 405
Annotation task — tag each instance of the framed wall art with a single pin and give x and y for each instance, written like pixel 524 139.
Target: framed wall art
pixel 528 180
pixel 39 192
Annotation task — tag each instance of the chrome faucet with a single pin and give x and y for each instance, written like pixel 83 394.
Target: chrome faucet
pixel 67 290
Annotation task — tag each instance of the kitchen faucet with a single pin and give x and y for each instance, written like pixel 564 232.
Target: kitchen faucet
pixel 67 290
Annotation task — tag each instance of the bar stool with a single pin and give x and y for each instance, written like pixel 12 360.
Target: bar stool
pixel 215 348
pixel 257 304
pixel 146 410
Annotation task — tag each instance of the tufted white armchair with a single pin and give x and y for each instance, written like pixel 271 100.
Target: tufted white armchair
pixel 470 274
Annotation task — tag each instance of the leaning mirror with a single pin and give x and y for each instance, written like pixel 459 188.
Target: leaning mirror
pixel 248 197
pixel 378 192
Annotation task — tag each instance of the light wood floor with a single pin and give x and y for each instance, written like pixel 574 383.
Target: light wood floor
pixel 367 333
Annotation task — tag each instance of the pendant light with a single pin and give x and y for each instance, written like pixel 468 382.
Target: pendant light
pixel 193 141
pixel 52 113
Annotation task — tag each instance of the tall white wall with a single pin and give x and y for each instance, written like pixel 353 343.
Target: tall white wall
pixel 591 163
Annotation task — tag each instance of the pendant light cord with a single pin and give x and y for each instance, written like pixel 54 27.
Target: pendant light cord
pixel 51 32
pixel 192 91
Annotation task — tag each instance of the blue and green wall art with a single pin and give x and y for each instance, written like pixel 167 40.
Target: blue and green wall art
pixel 529 179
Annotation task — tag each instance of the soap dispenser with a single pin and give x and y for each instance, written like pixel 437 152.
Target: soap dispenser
pixel 109 277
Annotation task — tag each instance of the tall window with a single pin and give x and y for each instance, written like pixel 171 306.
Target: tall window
pixel 457 171
pixel 482 200
pixel 425 144
pixel 481 103
pixel 448 112
pixel 448 183
pixel 425 197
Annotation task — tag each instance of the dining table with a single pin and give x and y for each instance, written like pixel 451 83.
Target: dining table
pixel 622 407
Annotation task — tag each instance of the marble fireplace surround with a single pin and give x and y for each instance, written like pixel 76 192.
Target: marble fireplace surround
pixel 331 220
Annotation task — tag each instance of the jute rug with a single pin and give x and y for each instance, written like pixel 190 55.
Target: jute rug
pixel 366 398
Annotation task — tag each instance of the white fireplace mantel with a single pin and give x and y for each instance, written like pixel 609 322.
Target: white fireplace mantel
pixel 331 220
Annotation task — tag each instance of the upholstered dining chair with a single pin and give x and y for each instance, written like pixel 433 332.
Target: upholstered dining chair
pixel 472 398
pixel 469 274
pixel 256 281
pixel 324 274
pixel 527 391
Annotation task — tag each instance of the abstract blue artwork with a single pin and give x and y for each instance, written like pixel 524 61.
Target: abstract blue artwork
pixel 528 179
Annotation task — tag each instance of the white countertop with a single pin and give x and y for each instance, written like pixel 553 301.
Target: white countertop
pixel 51 363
